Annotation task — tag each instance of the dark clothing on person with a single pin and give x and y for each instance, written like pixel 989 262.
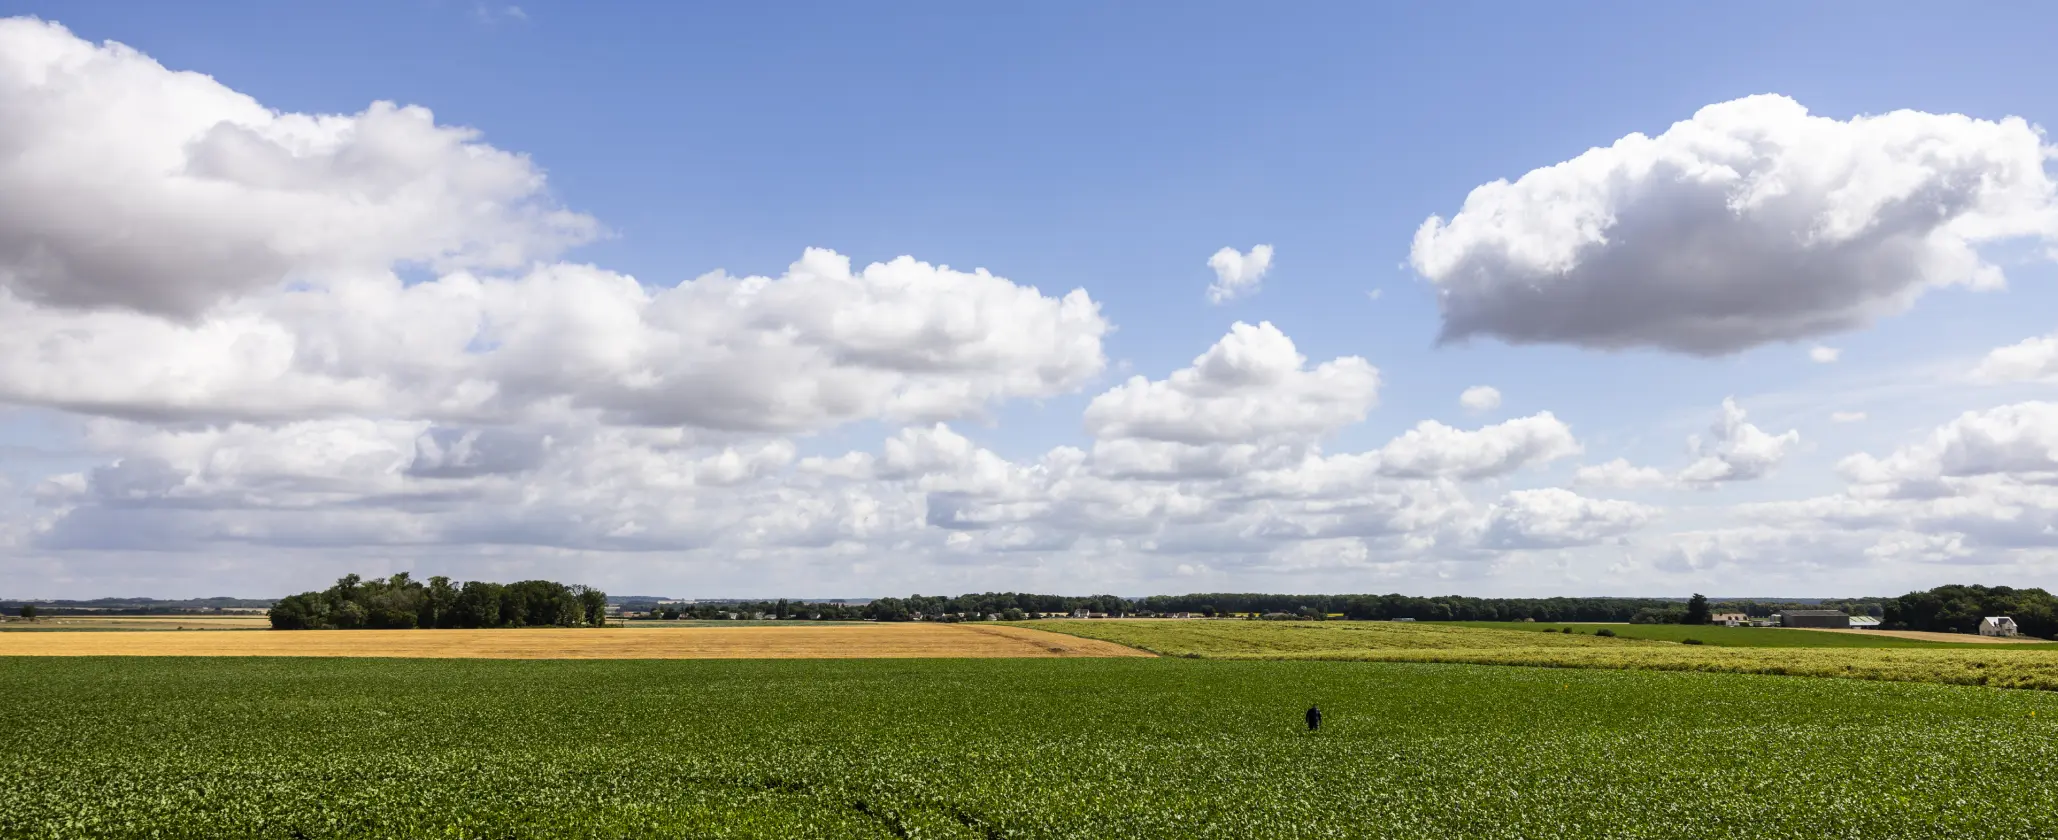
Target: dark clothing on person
pixel 1314 718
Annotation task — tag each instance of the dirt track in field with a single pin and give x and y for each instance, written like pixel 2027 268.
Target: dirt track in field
pixel 1926 636
pixel 911 640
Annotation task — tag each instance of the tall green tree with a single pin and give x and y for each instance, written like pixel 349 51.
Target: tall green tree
pixel 1697 610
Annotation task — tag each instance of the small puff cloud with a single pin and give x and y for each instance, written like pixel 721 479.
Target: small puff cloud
pixel 1238 274
pixel 1823 355
pixel 1621 474
pixel 1480 398
pixel 1752 222
pixel 1434 450
pixel 1253 386
pixel 1738 451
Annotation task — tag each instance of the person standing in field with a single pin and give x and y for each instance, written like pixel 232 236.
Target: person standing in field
pixel 1314 718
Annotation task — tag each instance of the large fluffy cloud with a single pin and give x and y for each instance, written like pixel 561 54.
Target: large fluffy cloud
pixel 127 185
pixel 820 345
pixel 2019 439
pixel 1752 222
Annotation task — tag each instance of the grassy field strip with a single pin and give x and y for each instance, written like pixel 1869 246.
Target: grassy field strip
pixel 859 641
pixel 1996 666
pixel 1755 636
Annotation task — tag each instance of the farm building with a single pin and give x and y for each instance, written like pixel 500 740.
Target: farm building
pixel 1997 625
pixel 1826 619
pixel 1729 619
pixel 1864 622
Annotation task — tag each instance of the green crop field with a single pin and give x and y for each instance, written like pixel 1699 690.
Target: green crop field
pixel 213 748
pixel 1732 636
pixel 2006 666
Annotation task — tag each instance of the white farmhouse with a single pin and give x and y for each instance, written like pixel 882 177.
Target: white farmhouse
pixel 1997 625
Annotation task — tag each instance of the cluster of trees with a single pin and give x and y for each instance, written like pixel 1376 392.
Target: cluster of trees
pixel 400 602
pixel 1958 609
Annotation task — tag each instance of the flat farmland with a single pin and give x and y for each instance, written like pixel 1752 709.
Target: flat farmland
pixel 842 641
pixel 998 748
pixel 1867 658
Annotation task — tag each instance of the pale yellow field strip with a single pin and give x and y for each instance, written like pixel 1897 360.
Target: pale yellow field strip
pixel 145 622
pixel 866 641
pixel 1926 636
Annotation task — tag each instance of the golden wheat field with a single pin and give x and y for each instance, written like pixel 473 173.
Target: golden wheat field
pixel 850 641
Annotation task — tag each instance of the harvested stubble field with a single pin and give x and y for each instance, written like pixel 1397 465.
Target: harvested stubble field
pixel 984 749
pixel 1987 665
pixel 842 641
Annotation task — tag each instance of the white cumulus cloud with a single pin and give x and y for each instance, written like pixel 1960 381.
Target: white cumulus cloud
pixel 1238 274
pixel 1557 518
pixel 1432 449
pixel 1824 355
pixel 1619 473
pixel 1752 222
pixel 2012 439
pixel 127 185
pixel 820 345
pixel 1253 386
pixel 1737 450
pixel 2031 359
pixel 1480 398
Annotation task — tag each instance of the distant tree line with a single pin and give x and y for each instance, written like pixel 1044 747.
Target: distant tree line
pixel 1010 606
pixel 1958 609
pixel 400 602
pixel 1461 608
pixel 138 606
pixel 1015 605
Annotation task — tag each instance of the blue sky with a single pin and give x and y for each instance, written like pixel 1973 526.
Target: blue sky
pixel 1114 150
